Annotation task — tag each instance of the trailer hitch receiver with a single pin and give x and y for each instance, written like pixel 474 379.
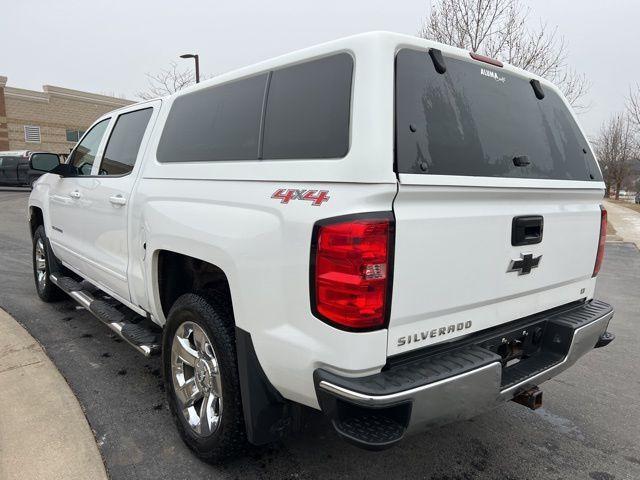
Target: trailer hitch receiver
pixel 531 398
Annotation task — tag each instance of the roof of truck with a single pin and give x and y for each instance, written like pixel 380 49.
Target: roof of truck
pixel 375 39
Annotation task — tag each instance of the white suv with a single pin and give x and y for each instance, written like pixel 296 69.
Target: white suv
pixel 394 231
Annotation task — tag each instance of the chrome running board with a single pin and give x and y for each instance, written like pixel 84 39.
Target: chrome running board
pixel 134 329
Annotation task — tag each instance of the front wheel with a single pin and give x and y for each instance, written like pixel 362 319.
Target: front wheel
pixel 201 377
pixel 47 290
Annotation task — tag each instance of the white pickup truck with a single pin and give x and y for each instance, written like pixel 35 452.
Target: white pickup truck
pixel 393 231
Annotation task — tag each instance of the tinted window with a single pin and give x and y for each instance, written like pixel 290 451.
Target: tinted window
pixel 124 142
pixel 308 108
pixel 218 123
pixel 85 152
pixel 475 118
pixel 9 161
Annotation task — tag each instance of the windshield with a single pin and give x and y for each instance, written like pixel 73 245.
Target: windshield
pixel 479 120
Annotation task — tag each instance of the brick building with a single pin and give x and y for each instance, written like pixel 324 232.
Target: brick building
pixel 51 120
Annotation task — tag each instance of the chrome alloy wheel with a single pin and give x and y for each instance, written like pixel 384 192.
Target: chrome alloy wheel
pixel 41 264
pixel 196 378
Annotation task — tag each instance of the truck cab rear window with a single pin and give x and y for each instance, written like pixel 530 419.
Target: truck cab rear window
pixel 478 120
pixel 304 114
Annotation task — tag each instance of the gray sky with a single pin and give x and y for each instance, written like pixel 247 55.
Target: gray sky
pixel 107 46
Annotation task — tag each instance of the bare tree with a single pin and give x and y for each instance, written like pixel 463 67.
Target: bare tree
pixel 499 29
pixel 633 107
pixel 616 151
pixel 167 81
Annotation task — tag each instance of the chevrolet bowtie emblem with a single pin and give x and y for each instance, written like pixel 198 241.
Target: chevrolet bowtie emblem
pixel 524 264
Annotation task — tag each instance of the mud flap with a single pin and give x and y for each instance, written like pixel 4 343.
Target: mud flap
pixel 267 415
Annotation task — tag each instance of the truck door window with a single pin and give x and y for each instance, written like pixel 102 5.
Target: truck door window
pixel 85 153
pixel 124 143
pixel 10 162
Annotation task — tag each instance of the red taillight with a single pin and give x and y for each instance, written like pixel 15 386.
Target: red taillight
pixel 602 240
pixel 489 60
pixel 351 262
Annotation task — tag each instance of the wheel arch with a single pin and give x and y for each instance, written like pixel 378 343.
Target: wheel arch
pixel 36 218
pixel 178 273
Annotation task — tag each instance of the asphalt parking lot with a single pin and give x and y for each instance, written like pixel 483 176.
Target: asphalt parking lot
pixel 589 427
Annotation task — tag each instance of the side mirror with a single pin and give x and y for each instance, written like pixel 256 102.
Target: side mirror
pixel 44 162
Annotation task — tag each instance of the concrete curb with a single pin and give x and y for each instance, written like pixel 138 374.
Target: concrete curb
pixel 43 431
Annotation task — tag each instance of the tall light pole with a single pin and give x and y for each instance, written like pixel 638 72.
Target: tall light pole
pixel 197 59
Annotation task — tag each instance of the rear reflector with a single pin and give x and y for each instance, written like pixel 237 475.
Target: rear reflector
pixel 601 241
pixel 489 60
pixel 351 266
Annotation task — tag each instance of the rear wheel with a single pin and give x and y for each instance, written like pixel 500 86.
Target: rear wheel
pixel 47 290
pixel 201 377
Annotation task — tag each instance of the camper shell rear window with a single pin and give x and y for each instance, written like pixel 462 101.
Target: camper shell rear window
pixel 479 120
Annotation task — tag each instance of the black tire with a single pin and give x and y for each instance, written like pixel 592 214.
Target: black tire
pixel 216 319
pixel 46 289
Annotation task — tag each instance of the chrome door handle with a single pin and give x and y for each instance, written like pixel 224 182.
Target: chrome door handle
pixel 117 200
pixel 75 194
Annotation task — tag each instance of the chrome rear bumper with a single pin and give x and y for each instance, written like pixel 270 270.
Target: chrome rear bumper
pixel 460 383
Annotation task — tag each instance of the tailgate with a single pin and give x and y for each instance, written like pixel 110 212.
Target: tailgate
pixel 454 252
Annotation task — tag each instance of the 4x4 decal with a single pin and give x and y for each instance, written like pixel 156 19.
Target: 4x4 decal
pixel 316 197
